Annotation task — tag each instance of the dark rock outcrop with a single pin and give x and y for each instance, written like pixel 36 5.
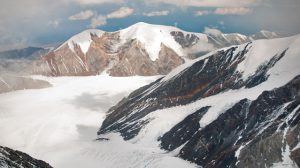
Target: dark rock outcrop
pixel 15 159
pixel 257 127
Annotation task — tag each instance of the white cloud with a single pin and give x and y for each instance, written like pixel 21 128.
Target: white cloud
pixel 157 13
pixel 233 11
pixel 54 23
pixel 98 21
pixel 83 15
pixel 207 3
pixel 93 2
pixel 201 13
pixel 121 13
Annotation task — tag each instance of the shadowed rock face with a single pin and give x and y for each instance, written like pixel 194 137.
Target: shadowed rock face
pixel 261 129
pixel 11 83
pixel 16 159
pixel 185 41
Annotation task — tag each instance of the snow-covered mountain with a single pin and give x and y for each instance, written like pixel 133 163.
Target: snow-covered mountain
pixel 141 49
pixel 235 107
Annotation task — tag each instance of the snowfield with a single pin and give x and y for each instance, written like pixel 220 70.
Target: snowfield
pixel 59 124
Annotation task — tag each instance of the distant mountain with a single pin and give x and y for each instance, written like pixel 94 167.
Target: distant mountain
pixel 264 34
pixel 30 53
pixel 141 49
pixel 15 159
pixel 12 83
pixel 20 60
pixel 234 107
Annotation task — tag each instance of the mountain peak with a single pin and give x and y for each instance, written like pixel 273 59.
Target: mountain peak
pixel 83 39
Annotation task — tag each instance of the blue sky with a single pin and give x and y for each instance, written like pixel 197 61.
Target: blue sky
pixel 39 22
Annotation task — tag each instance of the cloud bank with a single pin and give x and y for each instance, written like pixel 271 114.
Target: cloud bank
pixel 207 3
pixel 233 11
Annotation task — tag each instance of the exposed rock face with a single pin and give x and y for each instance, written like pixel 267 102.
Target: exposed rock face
pixel 261 125
pixel 132 64
pixel 131 51
pixel 258 127
pixel 185 40
pixel 15 159
pixel 11 83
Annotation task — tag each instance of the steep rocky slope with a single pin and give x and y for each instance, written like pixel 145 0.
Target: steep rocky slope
pixel 141 49
pixel 15 159
pixel 234 107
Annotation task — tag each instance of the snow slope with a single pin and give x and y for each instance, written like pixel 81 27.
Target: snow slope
pixel 59 124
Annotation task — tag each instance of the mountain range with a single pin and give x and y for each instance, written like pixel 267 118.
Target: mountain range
pixel 141 49
pixel 212 100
